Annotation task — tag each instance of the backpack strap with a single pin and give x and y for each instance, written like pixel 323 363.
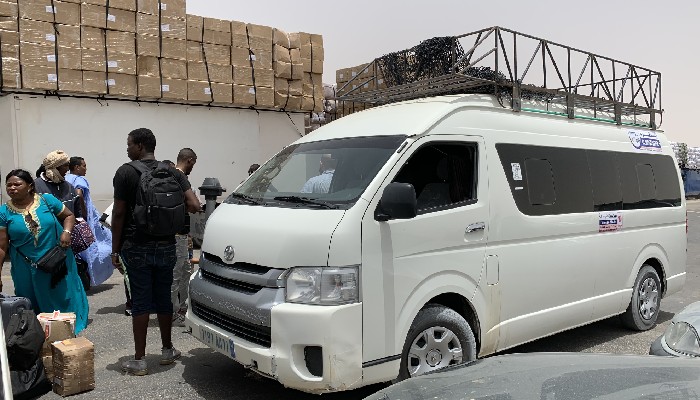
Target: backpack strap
pixel 139 166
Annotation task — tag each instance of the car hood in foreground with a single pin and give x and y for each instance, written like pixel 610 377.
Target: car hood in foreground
pixel 552 376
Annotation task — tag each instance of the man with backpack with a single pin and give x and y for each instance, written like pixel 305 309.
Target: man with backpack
pixel 151 200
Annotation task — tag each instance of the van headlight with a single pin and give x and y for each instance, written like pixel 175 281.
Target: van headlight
pixel 327 286
pixel 682 338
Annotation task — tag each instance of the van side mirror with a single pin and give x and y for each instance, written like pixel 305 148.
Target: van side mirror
pixel 398 202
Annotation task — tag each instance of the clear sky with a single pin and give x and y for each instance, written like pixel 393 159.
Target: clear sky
pixel 660 35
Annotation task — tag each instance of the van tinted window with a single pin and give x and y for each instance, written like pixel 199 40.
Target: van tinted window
pixel 443 175
pixel 587 180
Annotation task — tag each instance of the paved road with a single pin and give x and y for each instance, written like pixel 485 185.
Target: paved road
pixel 203 374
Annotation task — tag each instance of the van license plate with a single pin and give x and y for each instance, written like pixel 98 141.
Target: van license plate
pixel 217 342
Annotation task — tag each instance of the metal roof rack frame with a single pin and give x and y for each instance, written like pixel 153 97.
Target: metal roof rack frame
pixel 564 76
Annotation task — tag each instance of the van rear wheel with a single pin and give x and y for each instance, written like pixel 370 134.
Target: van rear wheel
pixel 643 309
pixel 438 337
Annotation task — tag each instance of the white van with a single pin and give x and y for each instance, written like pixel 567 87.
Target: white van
pixel 416 235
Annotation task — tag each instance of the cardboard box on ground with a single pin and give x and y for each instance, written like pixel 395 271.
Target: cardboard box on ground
pixel 73 366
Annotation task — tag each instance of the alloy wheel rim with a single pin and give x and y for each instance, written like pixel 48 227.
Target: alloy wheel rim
pixel 648 298
pixel 433 349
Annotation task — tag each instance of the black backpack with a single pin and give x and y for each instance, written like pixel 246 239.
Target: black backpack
pixel 160 201
pixel 24 338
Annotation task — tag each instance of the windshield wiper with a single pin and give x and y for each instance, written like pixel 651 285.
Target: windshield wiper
pixel 245 197
pixel 305 200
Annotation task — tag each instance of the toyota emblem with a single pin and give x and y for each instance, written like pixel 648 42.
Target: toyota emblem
pixel 229 253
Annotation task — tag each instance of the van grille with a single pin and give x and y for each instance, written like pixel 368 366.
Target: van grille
pixel 240 266
pixel 243 287
pixel 253 333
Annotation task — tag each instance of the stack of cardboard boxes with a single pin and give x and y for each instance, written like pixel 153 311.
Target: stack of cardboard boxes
pixel 161 49
pixel 362 78
pixel 152 50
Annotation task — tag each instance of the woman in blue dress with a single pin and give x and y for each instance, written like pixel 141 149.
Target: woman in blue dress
pixel 30 222
pixel 97 256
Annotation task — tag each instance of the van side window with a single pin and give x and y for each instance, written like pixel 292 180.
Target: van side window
pixel 443 175
pixel 540 182
pixel 558 180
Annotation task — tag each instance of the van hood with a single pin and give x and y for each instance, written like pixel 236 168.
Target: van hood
pixel 274 237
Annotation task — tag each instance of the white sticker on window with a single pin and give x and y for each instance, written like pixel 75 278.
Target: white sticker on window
pixel 609 221
pixel 51 58
pixel 517 171
pixel 50 37
pixel 112 64
pixel 53 78
pixel 165 88
pixel 51 9
pixel 165 27
pixel 207 90
pixel 111 18
pixel 251 91
pixel 111 82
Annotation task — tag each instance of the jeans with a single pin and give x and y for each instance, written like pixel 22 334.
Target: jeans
pixel 181 274
pixel 150 269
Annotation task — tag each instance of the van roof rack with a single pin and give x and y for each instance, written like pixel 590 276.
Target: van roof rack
pixel 514 67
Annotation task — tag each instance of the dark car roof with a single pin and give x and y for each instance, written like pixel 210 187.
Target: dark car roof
pixel 569 376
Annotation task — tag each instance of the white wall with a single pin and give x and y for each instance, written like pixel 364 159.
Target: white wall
pixel 226 141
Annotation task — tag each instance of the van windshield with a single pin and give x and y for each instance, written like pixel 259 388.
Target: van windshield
pixel 325 174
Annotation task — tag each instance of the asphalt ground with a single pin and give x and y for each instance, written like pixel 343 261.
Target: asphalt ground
pixel 202 373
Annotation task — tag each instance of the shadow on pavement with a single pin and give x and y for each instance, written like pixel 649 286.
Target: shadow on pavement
pixel 111 310
pixel 103 287
pixel 225 378
pixel 153 361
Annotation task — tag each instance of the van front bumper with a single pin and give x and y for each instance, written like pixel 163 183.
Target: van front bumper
pixel 315 349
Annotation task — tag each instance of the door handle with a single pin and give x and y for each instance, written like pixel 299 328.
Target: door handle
pixel 479 226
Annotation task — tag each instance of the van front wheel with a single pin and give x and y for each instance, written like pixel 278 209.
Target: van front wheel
pixel 644 307
pixel 438 337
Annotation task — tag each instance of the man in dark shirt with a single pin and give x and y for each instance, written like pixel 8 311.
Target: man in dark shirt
pixel 149 260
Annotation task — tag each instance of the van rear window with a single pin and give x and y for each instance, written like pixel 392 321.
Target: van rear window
pixel 556 180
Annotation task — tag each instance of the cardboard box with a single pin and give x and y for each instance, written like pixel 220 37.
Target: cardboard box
pixel 280 38
pixel 195 26
pixel 287 102
pixel 10 73
pixel 48 366
pixel 168 8
pixel 174 48
pixel 239 34
pixel 41 32
pixel 94 60
pixel 121 42
pixel 122 85
pixel 312 52
pixel 240 57
pixel 259 37
pixel 307 103
pixel 212 72
pixel 129 5
pixel 205 92
pixel 264 78
pixel 56 326
pixel 9 44
pixel 282 70
pixel 294 40
pixel 216 37
pixel 174 89
pixel 147 45
pixel 243 76
pixel 95 82
pixel 64 13
pixel 295 88
pixel 341 75
pixel 215 54
pixel 70 80
pixel 147 24
pixel 316 40
pixel 148 87
pixel 220 25
pixel 173 69
pixel 261 58
pixel 173 28
pixel 121 63
pixel 9 9
pixel 148 66
pixel 97 17
pixel 281 54
pixel 46 55
pixel 265 97
pixel 244 95
pixel 74 366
